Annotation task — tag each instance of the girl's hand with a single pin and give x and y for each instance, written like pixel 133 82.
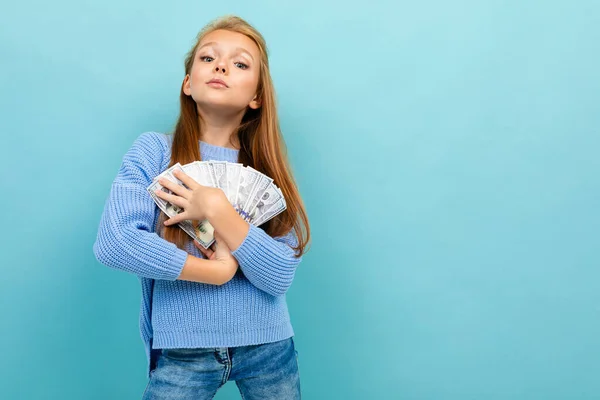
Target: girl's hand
pixel 208 253
pixel 222 255
pixel 197 201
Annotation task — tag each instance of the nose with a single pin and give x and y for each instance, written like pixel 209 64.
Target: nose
pixel 220 67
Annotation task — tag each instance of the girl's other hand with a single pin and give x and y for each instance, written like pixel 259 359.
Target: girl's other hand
pixel 208 253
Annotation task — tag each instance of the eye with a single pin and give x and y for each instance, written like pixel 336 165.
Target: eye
pixel 241 65
pixel 203 58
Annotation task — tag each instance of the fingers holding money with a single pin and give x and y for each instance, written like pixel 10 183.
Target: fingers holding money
pixel 175 188
pixel 178 201
pixel 182 216
pixel 195 200
pixel 178 196
pixel 208 253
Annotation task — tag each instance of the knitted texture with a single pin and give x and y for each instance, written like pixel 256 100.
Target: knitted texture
pixel 249 309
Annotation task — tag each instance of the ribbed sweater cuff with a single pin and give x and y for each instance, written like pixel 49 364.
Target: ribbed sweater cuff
pixel 245 252
pixel 266 262
pixel 176 265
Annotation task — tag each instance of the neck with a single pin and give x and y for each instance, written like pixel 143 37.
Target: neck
pixel 217 128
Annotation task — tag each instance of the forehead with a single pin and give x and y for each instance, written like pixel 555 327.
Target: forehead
pixel 231 40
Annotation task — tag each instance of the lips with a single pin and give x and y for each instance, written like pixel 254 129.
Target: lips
pixel 217 82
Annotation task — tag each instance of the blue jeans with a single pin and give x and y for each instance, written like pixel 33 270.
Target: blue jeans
pixel 264 371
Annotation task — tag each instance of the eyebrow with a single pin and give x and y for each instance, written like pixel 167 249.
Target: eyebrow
pixel 237 49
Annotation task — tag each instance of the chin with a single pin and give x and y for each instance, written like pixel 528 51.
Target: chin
pixel 219 104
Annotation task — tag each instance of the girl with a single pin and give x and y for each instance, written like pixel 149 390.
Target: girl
pixel 209 316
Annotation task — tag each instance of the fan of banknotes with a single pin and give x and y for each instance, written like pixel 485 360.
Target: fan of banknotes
pixel 253 195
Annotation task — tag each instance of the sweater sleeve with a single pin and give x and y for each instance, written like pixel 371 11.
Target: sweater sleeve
pixel 126 239
pixel 268 263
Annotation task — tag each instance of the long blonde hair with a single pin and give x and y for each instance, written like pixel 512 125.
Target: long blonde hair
pixel 261 143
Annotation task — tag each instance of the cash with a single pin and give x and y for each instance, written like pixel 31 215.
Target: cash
pixel 251 193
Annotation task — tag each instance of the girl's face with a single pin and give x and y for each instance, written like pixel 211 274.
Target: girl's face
pixel 231 58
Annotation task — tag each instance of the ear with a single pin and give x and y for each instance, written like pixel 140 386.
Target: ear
pixel 255 103
pixel 186 85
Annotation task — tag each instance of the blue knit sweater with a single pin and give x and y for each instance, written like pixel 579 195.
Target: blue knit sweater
pixel 249 309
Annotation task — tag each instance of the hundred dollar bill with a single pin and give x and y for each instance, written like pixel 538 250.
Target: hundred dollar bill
pixel 233 177
pixel 192 171
pixel 211 170
pixel 268 198
pixel 263 183
pixel 274 210
pixel 203 233
pixel 248 179
pixel 220 170
pixel 204 176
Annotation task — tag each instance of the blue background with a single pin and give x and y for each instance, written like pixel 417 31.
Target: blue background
pixel 447 153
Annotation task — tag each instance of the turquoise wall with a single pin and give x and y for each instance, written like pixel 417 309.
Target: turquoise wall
pixel 447 153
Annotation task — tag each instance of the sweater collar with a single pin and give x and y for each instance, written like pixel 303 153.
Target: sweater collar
pixel 212 152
